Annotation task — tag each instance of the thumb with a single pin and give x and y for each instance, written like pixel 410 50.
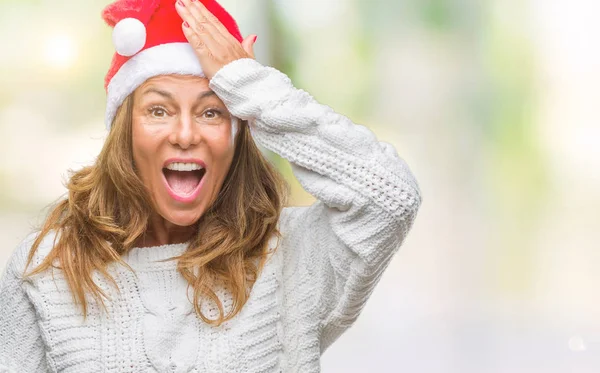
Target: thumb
pixel 248 45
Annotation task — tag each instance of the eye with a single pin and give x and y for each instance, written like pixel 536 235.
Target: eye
pixel 157 112
pixel 213 113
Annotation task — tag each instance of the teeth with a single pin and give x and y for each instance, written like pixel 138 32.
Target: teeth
pixel 178 166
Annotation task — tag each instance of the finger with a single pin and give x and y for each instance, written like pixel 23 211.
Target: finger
pixel 192 17
pixel 202 43
pixel 213 20
pixel 198 35
pixel 248 45
pixel 205 19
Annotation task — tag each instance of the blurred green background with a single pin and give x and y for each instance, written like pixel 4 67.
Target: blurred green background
pixel 493 104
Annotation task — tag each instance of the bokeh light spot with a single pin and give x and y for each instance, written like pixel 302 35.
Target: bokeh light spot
pixel 60 51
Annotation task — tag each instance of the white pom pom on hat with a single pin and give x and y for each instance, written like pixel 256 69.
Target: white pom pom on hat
pixel 129 36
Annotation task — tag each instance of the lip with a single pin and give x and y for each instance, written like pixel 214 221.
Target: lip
pixel 185 160
pixel 194 194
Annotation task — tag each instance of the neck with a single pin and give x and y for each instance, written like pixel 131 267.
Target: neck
pixel 162 232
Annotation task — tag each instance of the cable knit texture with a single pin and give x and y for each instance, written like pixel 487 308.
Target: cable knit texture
pixel 312 288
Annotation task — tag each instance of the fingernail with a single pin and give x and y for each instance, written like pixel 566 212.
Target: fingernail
pixel 180 3
pixel 255 37
pixel 186 24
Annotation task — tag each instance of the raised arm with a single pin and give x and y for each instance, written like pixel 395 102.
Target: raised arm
pixel 21 345
pixel 367 198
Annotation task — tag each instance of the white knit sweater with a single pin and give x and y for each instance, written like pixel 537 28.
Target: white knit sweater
pixel 312 289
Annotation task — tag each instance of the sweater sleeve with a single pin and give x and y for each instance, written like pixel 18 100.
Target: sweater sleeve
pixel 367 197
pixel 21 345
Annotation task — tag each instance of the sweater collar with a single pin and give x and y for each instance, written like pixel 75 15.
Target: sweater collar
pixel 149 255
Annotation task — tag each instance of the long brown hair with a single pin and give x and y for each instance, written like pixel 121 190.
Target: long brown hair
pixel 229 248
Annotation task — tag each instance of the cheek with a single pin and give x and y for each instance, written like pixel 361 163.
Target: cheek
pixel 221 149
pixel 144 150
pixel 220 140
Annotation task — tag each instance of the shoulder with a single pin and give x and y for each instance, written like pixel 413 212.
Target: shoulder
pixel 289 214
pixel 289 219
pixel 300 227
pixel 18 258
pixel 304 224
pixel 294 218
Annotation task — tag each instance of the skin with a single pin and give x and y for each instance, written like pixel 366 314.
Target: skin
pixel 170 119
pixel 179 116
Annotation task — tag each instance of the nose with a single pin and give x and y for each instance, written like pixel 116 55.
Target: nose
pixel 185 132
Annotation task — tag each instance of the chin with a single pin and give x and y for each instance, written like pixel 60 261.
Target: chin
pixel 181 218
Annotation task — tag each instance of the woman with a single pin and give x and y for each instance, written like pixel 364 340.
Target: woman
pixel 174 251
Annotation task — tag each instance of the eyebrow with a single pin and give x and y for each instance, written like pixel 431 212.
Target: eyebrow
pixel 169 96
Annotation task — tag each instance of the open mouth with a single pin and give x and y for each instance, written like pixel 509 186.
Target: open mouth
pixel 183 183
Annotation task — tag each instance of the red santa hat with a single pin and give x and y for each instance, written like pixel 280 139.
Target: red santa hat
pixel 149 41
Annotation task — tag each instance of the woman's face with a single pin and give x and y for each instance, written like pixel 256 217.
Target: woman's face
pixel 182 145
